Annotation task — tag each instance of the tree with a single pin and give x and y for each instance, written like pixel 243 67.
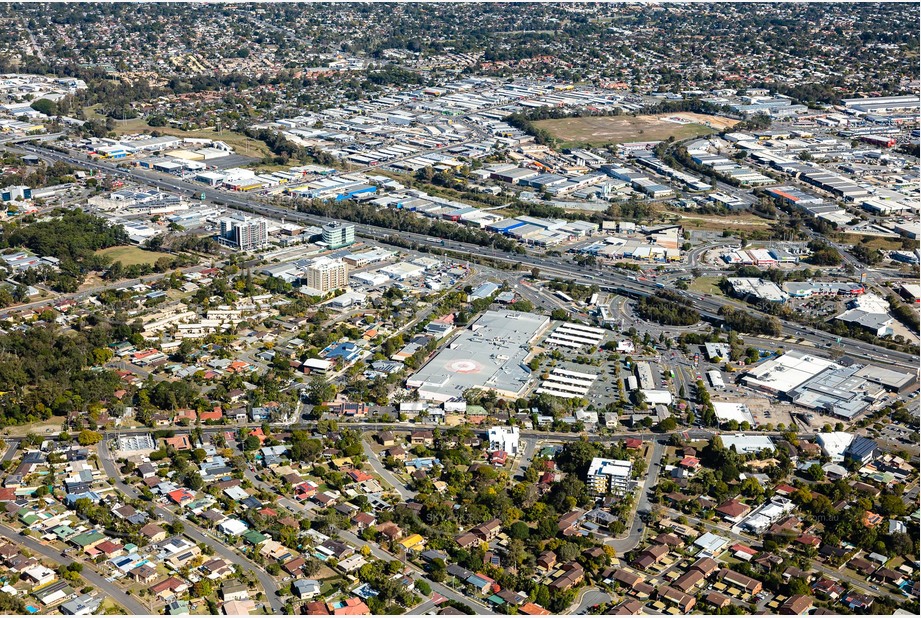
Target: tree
pixel 11 605
pixel 45 106
pixel 88 438
pixel 815 472
pixel 423 587
pixel 312 567
pixel 752 488
pixel 203 588
pixel 320 391
pixel 568 551
pixel 519 530
pixel 251 443
pixel 891 506
pixel 667 307
pixel 194 481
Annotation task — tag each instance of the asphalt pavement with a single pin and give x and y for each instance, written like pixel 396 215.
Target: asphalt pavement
pixel 588 598
pixel 859 584
pixel 87 292
pixel 374 461
pixel 377 551
pixel 637 526
pixel 11 446
pixel 608 281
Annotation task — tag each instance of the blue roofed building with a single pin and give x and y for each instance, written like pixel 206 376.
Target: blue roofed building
pixel 347 351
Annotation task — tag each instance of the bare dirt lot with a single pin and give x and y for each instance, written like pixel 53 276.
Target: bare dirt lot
pixel 601 130
pixel 766 412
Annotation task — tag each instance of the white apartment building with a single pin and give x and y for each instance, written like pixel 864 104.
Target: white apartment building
pixel 504 439
pixel 610 476
pixel 243 232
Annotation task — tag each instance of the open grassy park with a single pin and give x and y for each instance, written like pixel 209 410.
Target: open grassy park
pixel 603 130
pixel 130 256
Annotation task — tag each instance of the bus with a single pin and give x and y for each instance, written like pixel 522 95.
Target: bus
pixel 563 296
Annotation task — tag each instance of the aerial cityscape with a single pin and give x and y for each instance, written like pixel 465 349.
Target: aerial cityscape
pixel 460 308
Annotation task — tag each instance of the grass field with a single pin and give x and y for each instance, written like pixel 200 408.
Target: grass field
pixel 706 285
pixel 602 130
pixel 734 222
pixel 875 242
pixel 129 256
pixel 241 144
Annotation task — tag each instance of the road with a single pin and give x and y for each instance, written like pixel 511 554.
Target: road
pixel 374 461
pixel 637 526
pixel 193 532
pixel 524 457
pixel 423 608
pixel 131 604
pixel 86 293
pixel 548 436
pixel 11 446
pixel 441 589
pixel 588 597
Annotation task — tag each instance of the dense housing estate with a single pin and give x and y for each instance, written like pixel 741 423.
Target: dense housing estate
pixel 442 309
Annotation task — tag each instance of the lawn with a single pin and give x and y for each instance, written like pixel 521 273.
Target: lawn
pixel 706 285
pixel 242 145
pixel 603 130
pixel 130 256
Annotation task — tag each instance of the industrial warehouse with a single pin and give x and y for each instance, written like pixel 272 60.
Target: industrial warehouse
pixel 820 384
pixel 490 355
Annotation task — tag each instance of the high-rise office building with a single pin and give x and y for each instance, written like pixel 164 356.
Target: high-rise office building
pixel 337 234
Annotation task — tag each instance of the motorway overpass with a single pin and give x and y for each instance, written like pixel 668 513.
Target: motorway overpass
pixel 608 281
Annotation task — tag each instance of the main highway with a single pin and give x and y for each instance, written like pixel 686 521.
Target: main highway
pixel 606 280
